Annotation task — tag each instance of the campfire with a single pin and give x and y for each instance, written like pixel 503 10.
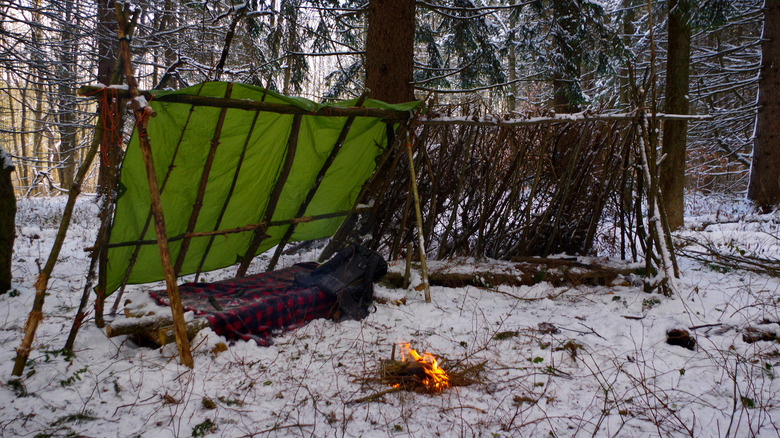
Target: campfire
pixel 424 367
pixel 424 373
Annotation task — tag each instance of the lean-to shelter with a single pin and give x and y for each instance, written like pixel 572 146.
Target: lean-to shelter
pixel 239 166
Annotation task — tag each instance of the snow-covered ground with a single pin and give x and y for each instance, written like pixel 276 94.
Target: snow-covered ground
pixel 598 366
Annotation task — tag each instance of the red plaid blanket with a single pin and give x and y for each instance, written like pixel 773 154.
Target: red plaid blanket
pixel 255 307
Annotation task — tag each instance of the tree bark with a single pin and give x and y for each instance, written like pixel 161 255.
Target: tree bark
pixel 390 50
pixel 389 62
pixel 107 55
pixel 764 187
pixel 66 104
pixel 7 221
pixel 512 97
pixel 106 40
pixel 628 32
pixel 567 64
pixel 675 131
pixel 111 111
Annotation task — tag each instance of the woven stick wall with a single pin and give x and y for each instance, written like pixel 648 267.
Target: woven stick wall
pixel 507 191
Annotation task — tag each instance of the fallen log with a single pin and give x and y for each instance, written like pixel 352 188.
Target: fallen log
pixel 158 328
pixel 145 323
pixel 528 271
pixel 165 335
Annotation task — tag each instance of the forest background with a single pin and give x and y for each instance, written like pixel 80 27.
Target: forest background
pixel 476 61
pixel 496 57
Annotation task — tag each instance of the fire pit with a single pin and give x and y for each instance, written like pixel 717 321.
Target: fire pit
pixel 415 371
pixel 423 373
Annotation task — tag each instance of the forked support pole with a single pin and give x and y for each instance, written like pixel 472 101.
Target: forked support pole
pixel 142 114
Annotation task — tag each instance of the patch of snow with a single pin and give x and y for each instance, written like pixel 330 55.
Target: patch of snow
pixel 568 361
pixel 142 102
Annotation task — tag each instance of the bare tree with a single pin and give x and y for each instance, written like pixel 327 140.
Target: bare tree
pixel 65 105
pixel 725 59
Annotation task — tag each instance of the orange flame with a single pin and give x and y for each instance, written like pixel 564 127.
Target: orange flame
pixel 436 378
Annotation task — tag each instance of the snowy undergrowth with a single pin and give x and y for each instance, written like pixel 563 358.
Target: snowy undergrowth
pixel 559 361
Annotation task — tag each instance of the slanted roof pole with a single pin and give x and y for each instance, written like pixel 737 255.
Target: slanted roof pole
pixel 259 235
pixel 229 195
pixel 313 190
pixel 142 112
pixel 204 178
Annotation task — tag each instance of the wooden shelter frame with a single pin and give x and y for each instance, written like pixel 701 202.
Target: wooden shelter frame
pixel 171 268
pixel 390 116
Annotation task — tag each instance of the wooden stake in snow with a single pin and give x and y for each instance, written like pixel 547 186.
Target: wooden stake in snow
pixel 418 214
pixel 142 112
pixel 41 285
pixel 408 270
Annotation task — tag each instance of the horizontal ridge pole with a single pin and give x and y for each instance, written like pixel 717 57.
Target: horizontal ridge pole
pixel 280 108
pixel 561 118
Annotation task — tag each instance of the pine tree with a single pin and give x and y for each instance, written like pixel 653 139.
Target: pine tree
pixel 390 50
pixel 675 131
pixel 764 188
pixel 572 44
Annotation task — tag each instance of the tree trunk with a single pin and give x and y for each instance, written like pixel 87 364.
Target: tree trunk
pixel 764 187
pixel 18 138
pixel 628 32
pixel 389 62
pixel 566 67
pixel 112 135
pixel 111 112
pixel 292 29
pixel 66 104
pixel 675 131
pixel 106 40
pixel 390 50
pixel 512 98
pixel 23 136
pixel 7 224
pixel 42 164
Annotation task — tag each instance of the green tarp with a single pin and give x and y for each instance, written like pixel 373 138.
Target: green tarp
pixel 181 136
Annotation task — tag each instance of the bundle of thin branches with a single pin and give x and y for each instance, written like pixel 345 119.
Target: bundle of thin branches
pixel 396 376
pixel 711 255
pixel 410 375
